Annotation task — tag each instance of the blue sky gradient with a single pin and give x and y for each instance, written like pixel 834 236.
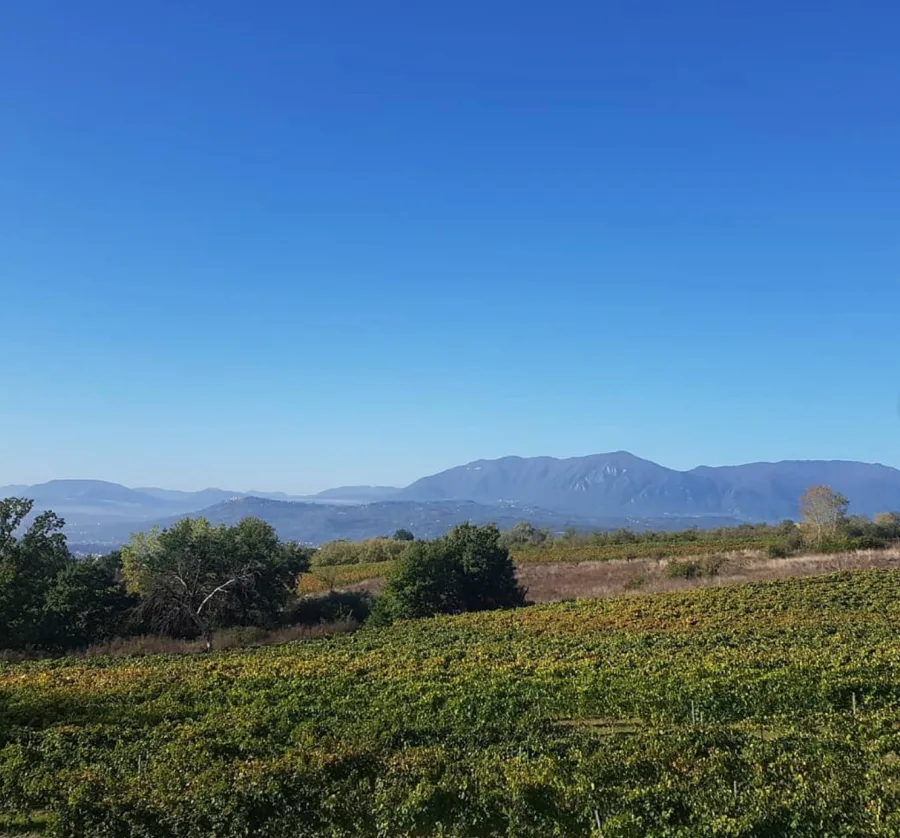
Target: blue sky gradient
pixel 291 245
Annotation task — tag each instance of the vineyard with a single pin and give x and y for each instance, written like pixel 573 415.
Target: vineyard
pixel 755 710
pixel 323 579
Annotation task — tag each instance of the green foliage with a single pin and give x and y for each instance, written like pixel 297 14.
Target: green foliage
pixel 193 577
pixel 335 606
pixel 404 535
pixel 368 551
pixel 695 568
pixel 30 565
pixel 466 570
pixel 757 711
pixel 863 534
pixel 86 603
pixel 524 534
pixel 778 550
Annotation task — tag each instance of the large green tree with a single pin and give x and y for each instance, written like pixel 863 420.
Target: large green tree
pixel 31 556
pixel 87 603
pixel 194 577
pixel 466 570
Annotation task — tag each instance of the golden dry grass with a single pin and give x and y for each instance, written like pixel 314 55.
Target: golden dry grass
pixel 552 582
pixel 585 580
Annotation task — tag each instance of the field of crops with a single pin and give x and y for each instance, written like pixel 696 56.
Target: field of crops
pixel 323 579
pixel 755 710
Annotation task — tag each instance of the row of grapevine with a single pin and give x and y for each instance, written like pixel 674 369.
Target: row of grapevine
pixel 756 710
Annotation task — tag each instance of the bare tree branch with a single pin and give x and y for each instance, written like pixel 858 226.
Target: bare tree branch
pixel 222 587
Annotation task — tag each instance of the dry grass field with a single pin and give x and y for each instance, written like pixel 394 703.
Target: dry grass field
pixel 561 581
pixel 556 581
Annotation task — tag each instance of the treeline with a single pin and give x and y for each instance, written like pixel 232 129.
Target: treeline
pixel 194 579
pixel 48 599
pixel 186 581
pixel 825 527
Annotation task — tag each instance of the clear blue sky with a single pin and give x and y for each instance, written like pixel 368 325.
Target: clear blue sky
pixel 286 245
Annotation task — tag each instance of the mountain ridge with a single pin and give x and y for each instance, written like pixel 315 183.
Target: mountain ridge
pixel 613 489
pixel 621 483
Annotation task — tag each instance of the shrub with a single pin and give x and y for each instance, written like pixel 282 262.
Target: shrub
pixel 711 565
pixel 794 540
pixel 466 570
pixel 335 606
pixel 695 568
pixel 683 569
pixel 778 550
pixel 868 542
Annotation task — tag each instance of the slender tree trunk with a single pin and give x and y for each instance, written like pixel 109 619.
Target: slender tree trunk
pixel 204 627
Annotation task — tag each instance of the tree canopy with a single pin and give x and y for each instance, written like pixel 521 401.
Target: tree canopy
pixel 48 599
pixel 194 577
pixel 466 570
pixel 823 511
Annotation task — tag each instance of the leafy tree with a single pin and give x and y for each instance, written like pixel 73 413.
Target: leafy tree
pixel 888 523
pixel 823 511
pixel 277 566
pixel 404 535
pixel 86 603
pixel 466 570
pixel 193 577
pixel 28 566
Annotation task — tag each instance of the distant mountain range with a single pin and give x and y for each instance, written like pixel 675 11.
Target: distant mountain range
pixel 620 484
pixel 602 490
pixel 98 501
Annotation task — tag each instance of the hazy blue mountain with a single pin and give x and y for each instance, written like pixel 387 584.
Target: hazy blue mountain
pixel 93 499
pixel 358 494
pixel 602 490
pixel 85 503
pixel 619 484
pixel 768 491
pixel 603 484
pixel 199 499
